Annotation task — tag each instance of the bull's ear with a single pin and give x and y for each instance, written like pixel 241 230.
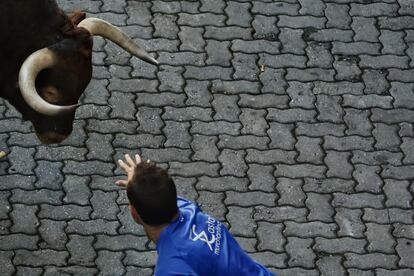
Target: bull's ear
pixel 77 17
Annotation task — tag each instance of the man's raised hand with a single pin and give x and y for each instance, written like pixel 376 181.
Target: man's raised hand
pixel 128 167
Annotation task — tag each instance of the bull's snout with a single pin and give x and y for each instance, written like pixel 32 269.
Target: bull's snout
pixel 51 137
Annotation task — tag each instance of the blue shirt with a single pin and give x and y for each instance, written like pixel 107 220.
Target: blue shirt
pixel 197 244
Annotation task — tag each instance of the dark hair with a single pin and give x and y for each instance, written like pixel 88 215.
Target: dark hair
pixel 153 194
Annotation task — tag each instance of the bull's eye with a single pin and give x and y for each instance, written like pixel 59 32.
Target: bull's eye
pixel 50 94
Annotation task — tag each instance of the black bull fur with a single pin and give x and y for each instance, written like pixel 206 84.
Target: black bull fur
pixel 29 25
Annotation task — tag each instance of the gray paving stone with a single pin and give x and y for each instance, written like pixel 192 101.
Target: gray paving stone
pixel 373 9
pixel 339 245
pixel 213 203
pixel 376 157
pixel 328 185
pixel 300 252
pixel 349 222
pixel 53 234
pixel 338 164
pixel 64 212
pixel 245 227
pixel 292 40
pixel 270 156
pixel 331 265
pixel 205 148
pixel 225 107
pixel 402 92
pixel 256 46
pixel 328 35
pixel 227 33
pixel 309 149
pixel 380 238
pixel 235 87
pixel 266 230
pixel 365 29
pixel 369 261
pixel 355 48
pixel 319 129
pixel 368 178
pixel 238 14
pixel 403 231
pixel 338 16
pixel 198 93
pixel 359 200
pixel 357 122
pixel 253 122
pixel 166 154
pixel 310 229
pixel 346 68
pixel 301 95
pixel 177 134
pixel 142 259
pixel 244 66
pixel 242 142
pixel 273 81
pixel 279 214
pixel 191 39
pixel 261 177
pixel 194 169
pixel 320 208
pixel 220 184
pixel 348 143
pixel 275 8
pixel 81 250
pixel 386 137
pixel 24 219
pixel 300 170
pixel 40 258
pixel 375 82
pixel 397 194
pixel 292 115
pixel 232 163
pixel 318 55
pixel 281 136
pixel 399 272
pixel 290 191
pixel 32 197
pixel 216 6
pixel 315 8
pixel 202 19
pixel 297 22
pixel 24 270
pixel 265 27
pixel 6 262
pixel 171 79
pixel 18 241
pixel 392 42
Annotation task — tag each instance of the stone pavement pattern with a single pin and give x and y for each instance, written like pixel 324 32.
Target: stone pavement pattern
pixel 291 121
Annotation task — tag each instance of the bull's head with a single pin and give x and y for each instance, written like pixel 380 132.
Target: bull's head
pixel 52 79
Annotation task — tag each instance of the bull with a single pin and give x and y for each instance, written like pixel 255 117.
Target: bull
pixel 46 62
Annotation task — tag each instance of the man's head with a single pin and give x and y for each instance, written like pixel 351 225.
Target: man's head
pixel 152 195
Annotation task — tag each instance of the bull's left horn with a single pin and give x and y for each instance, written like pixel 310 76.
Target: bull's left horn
pixel 36 62
pixel 97 26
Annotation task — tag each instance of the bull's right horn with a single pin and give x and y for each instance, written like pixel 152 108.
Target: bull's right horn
pixel 36 62
pixel 96 26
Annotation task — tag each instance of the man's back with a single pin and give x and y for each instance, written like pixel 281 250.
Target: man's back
pixel 197 244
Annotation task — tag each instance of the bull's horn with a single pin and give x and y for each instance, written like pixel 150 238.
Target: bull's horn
pixel 97 26
pixel 36 62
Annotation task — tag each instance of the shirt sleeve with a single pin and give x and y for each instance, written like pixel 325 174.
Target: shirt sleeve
pixel 174 267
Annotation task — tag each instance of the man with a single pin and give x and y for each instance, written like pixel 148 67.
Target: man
pixel 189 242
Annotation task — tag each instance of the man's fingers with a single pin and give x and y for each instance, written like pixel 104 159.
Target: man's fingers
pixel 123 166
pixel 137 159
pixel 122 183
pixel 129 160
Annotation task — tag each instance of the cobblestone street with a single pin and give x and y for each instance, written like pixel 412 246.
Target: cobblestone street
pixel 291 121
